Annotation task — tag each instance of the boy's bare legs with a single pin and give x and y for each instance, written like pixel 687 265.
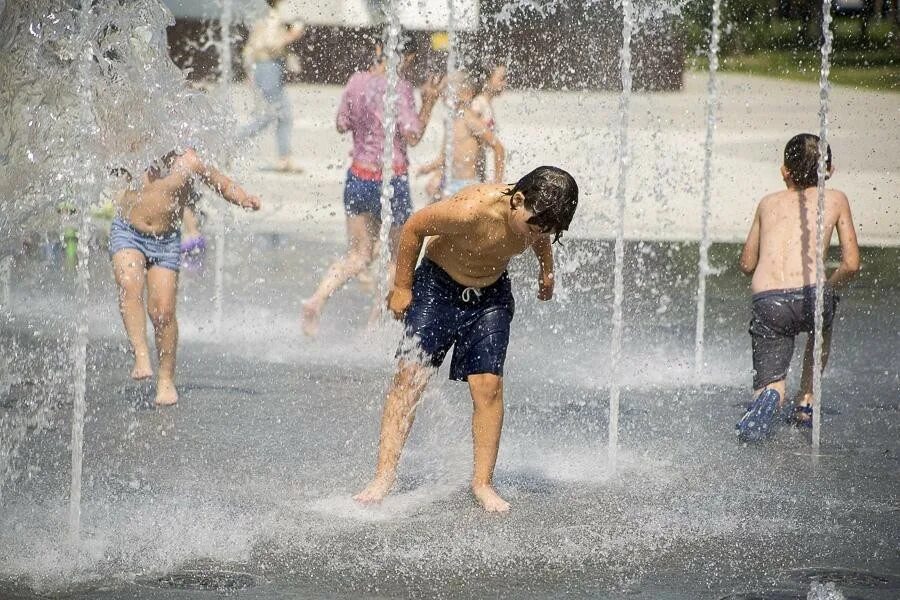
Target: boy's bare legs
pixel 162 288
pixel 804 396
pixel 128 267
pixel 399 411
pixel 362 231
pixel 487 422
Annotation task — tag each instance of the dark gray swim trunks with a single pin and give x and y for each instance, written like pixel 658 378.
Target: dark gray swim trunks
pixel 778 316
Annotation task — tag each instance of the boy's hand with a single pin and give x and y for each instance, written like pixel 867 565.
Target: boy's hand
pixel 432 88
pixel 251 203
pixel 545 287
pixel 398 301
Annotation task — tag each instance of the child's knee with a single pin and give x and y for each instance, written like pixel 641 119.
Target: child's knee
pixel 162 315
pixel 486 388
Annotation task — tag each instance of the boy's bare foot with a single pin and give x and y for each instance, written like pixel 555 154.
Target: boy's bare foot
pixel 142 369
pixel 375 492
pixel 166 393
pixel 311 313
pixel 286 165
pixel 489 499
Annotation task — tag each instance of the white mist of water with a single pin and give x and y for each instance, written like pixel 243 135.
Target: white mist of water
pixel 824 88
pixel 452 110
pixel 618 284
pixel 712 101
pixel 225 76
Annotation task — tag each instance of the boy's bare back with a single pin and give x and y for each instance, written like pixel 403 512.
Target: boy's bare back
pixel 781 246
pixel 478 248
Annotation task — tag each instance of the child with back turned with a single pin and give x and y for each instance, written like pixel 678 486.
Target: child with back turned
pixel 145 246
pixel 780 254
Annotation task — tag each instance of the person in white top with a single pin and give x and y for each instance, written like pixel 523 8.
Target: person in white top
pixel 264 55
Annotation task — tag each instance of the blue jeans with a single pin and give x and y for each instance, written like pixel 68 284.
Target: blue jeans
pixel 267 75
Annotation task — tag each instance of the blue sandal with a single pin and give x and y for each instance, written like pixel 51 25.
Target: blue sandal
pixel 756 424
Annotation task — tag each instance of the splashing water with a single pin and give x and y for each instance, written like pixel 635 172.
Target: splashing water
pixel 824 88
pixel 452 111
pixel 824 591
pixel 618 284
pixel 712 100
pixel 225 76
pixel 75 108
pixel 392 53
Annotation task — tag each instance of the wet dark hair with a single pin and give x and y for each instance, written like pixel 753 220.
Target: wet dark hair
pixel 407 45
pixel 801 158
pixel 552 195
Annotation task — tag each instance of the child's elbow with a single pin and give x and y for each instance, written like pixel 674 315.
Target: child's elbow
pixel 746 268
pixel 852 265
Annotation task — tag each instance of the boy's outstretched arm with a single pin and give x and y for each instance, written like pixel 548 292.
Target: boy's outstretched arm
pixel 447 217
pixel 543 249
pixel 750 253
pixel 849 266
pixel 218 181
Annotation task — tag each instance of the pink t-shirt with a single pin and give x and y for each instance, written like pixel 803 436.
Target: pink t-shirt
pixel 361 111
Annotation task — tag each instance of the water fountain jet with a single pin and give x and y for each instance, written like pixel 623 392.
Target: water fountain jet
pixel 824 87
pixel 621 189
pixel 712 100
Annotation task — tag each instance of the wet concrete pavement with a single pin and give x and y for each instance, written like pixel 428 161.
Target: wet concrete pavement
pixel 245 485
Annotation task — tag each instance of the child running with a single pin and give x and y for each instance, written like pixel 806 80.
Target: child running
pixel 144 243
pixel 460 296
pixel 780 254
pixel 361 113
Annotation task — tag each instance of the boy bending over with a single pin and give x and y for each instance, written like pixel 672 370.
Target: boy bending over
pixel 460 296
pixel 780 254
pixel 145 245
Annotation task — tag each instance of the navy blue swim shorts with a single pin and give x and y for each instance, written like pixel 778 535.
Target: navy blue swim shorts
pixel 778 316
pixel 364 196
pixel 444 313
pixel 159 251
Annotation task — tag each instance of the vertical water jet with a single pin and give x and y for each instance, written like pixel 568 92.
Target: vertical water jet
pixel 450 96
pixel 618 283
pixel 712 101
pixel 225 76
pixel 824 88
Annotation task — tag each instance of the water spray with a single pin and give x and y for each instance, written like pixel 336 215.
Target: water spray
pixel 392 55
pixel 618 284
pixel 712 101
pixel 225 76
pixel 824 88
pixel 450 96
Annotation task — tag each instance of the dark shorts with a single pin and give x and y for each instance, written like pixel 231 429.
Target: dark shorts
pixel 778 316
pixel 444 313
pixel 159 251
pixel 364 196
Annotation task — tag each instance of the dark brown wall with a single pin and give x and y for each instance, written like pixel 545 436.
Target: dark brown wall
pixel 575 47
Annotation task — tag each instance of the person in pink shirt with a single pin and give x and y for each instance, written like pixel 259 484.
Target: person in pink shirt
pixel 361 113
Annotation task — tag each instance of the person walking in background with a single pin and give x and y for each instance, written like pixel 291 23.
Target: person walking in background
pixel 361 112
pixel 264 56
